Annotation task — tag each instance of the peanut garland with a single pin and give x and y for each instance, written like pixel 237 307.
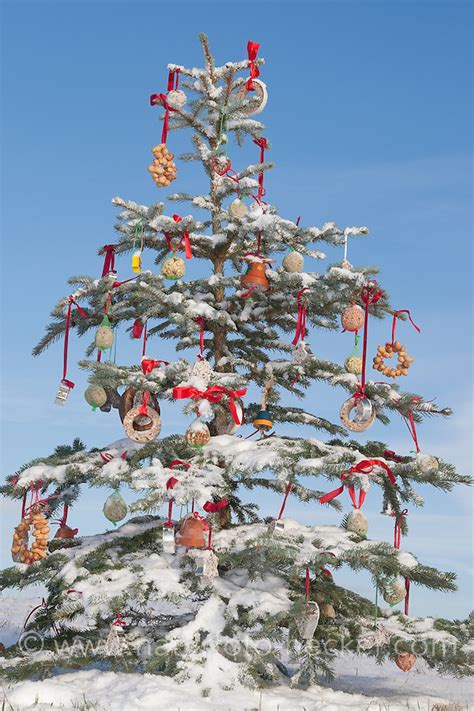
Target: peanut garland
pixel 387 351
pixel 20 550
pixel 163 169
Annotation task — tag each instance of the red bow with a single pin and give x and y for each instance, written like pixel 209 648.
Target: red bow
pixel 148 364
pixel 252 51
pixel 137 328
pixel 107 457
pixel 185 238
pixel 179 463
pixel 390 454
pixel 209 507
pixel 157 100
pixel 118 621
pixel 366 466
pixel 171 483
pixel 213 394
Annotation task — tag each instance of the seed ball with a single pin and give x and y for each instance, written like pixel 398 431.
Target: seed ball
pixel 104 337
pixel 293 262
pixel 95 395
pixel 352 318
pixel 353 364
pixel 357 523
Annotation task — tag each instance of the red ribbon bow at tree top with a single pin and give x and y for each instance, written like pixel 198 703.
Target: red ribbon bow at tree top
pixel 301 319
pixel 252 51
pixel 184 239
pixel 214 394
pixel 161 100
pixel 71 303
pixel 262 143
pixel 366 466
pixel 370 294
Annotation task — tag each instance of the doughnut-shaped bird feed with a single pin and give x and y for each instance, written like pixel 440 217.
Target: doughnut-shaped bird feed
pixel 387 351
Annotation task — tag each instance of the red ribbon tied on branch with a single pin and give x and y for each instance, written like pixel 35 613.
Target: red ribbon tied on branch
pixel 210 507
pixel 161 100
pixel 365 466
pixel 252 51
pixel 138 327
pixel 148 364
pixel 71 303
pixel 262 143
pixel 214 394
pixel 173 79
pixel 394 322
pixel 301 319
pixel 109 259
pixel 184 239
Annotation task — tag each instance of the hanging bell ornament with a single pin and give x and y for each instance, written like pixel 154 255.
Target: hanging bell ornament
pixel 197 434
pixel 62 393
pixel 293 262
pixel 357 523
pixel 137 262
pixel 394 592
pixel 352 318
pixel 173 268
pixel 176 98
pixel 238 208
pixel 66 532
pixel 255 277
pixel 364 414
pixel 308 621
pixel 104 336
pixel 263 421
pixel 115 508
pixel 191 534
pixel 169 543
pixel 95 396
pixel 426 462
pixel 405 661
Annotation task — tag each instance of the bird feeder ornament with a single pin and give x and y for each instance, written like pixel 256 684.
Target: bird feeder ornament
pixel 197 435
pixel 293 262
pixel 307 623
pixel 64 531
pixel 192 533
pixel 394 592
pixel 394 347
pixel 115 509
pixel 405 661
pixel 176 97
pixel 357 523
pixel 104 336
pixel 353 363
pixel 352 318
pixel 327 610
pixel 95 396
pixel 21 552
pixel 238 208
pixel 263 422
pixel 65 385
pixel 255 278
pixel 173 268
pixel 142 424
pixel 163 168
pixel 425 462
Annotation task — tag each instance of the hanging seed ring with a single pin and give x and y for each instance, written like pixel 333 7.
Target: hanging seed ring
pixel 20 550
pixel 387 351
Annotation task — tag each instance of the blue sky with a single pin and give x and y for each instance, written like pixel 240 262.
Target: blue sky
pixel 369 119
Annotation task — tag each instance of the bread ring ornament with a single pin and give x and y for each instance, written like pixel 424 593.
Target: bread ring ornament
pixel 258 100
pixel 133 398
pixel 142 428
pixel 21 553
pixel 163 169
pixel 364 414
pixel 387 351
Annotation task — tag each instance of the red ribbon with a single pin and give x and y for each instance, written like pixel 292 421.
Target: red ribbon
pixel 143 406
pixel 171 483
pixel 201 323
pixel 390 454
pixel 210 507
pixel 173 79
pixel 109 259
pixel 307 584
pixel 71 303
pixel 263 144
pixel 107 457
pixel 287 493
pixel 301 319
pixel 179 463
pixel 119 622
pixel 161 100
pixel 214 394
pixel 410 423
pixel 394 322
pixel 184 239
pixel 252 51
pixel 137 328
pixel 366 466
pixel 370 294
pixel 148 364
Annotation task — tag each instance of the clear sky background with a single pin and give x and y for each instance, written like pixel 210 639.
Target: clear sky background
pixel 369 119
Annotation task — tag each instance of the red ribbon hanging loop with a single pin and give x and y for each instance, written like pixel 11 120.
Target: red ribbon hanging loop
pixel 301 319
pixel 262 143
pixel 394 322
pixel 252 51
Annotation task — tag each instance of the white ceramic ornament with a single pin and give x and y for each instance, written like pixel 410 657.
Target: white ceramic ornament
pixel 293 262
pixel 426 462
pixel 176 98
pixel 357 522
pixel 202 369
pixel 394 592
pixel 308 621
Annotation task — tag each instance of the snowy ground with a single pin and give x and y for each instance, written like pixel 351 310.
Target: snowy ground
pixel 360 685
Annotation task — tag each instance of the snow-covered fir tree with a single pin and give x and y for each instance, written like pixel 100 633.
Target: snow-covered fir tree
pixel 226 595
